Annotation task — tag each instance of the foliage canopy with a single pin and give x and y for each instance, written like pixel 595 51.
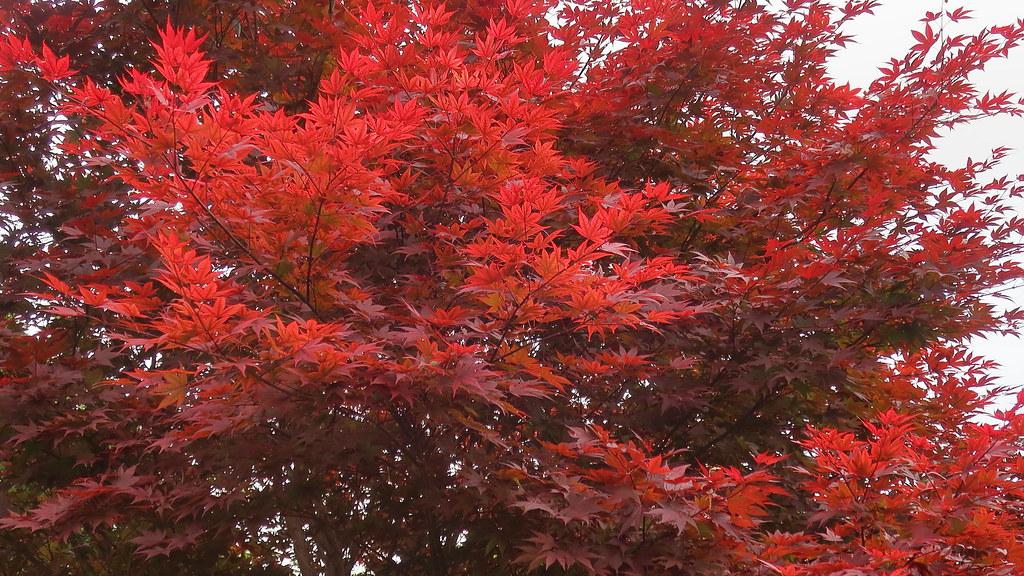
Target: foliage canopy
pixel 500 288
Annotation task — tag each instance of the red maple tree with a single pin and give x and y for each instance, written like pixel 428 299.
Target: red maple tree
pixel 498 288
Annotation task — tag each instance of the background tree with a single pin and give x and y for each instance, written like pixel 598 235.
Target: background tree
pixel 498 288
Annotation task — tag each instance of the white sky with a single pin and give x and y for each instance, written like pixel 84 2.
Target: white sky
pixel 887 34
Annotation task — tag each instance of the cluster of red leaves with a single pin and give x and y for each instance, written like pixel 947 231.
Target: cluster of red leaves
pixel 493 288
